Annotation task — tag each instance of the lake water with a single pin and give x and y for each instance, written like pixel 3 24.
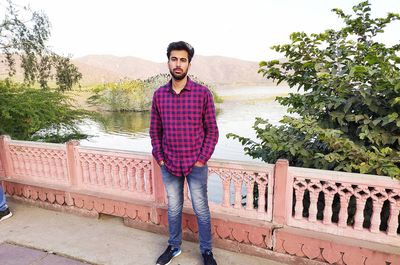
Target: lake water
pixel 130 131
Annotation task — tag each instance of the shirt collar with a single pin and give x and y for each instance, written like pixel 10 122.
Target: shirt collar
pixel 189 85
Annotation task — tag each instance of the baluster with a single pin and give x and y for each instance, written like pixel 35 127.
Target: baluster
pixel 147 181
pixel 92 173
pixel 132 178
pixel 20 164
pixel 23 164
pixel 64 168
pixel 226 186
pixel 140 179
pixel 39 166
pixel 149 189
pixel 376 218
pixel 393 219
pixel 46 167
pixel 27 166
pixel 261 197
pixel 108 175
pixel 16 164
pixel 32 162
pixel 238 194
pixel 328 209
pixel 249 195
pixel 359 216
pixel 298 210
pixel 115 175
pixel 312 216
pixel 52 166
pixel 344 201
pixel 59 170
pixel 85 172
pixel 124 178
pixel 102 180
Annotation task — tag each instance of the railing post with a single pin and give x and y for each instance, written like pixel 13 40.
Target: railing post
pixel 282 196
pixel 73 163
pixel 5 156
pixel 158 185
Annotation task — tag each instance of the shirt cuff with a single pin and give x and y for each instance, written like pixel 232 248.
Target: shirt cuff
pixel 202 159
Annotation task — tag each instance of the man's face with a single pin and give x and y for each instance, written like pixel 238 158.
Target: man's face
pixel 178 64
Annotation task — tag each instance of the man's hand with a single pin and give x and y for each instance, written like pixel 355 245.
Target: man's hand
pixel 198 164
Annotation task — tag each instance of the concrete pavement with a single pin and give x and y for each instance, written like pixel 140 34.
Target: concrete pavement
pixel 104 241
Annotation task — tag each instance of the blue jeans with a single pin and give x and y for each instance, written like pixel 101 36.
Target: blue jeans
pixel 197 181
pixel 3 203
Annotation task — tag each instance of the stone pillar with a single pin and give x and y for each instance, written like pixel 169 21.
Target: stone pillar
pixel 5 156
pixel 282 194
pixel 74 169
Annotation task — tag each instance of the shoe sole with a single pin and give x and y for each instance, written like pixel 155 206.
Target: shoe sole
pixel 176 255
pixel 6 217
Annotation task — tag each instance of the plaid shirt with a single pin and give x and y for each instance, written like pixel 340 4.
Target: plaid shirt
pixel 183 127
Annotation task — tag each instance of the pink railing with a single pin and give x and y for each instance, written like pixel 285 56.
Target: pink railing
pixel 245 178
pixel 354 205
pixel 123 174
pixel 39 162
pixel 2 172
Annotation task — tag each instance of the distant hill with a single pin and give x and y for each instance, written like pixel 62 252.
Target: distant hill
pixel 216 70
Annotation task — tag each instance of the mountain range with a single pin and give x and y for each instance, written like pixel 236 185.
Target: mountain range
pixel 215 70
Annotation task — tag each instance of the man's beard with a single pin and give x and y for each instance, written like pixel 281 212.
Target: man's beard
pixel 178 77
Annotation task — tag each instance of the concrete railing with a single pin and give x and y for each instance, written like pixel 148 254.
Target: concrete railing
pixel 353 205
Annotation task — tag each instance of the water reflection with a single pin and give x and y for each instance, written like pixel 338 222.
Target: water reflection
pixel 125 123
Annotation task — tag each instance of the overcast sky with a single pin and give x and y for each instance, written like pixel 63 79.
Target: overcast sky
pixel 243 29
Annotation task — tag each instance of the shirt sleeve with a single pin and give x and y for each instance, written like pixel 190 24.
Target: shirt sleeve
pixel 156 131
pixel 210 129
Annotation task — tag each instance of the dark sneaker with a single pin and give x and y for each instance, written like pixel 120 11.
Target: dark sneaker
pixel 208 258
pixel 168 255
pixel 5 214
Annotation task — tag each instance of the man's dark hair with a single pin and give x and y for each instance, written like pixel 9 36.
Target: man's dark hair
pixel 179 46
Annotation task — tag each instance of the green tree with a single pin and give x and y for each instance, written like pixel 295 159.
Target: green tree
pixel 27 113
pixel 23 37
pixel 37 114
pixel 348 112
pixel 134 95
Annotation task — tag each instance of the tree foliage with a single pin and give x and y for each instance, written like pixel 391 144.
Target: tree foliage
pixel 134 95
pixel 23 37
pixel 348 115
pixel 38 115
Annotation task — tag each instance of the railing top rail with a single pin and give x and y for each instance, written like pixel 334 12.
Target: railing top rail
pixel 245 165
pixel 339 176
pixel 38 144
pixel 142 155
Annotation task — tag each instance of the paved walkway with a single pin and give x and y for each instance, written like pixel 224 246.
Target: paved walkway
pixel 35 236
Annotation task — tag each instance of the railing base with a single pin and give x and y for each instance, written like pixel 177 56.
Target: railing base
pixel 284 244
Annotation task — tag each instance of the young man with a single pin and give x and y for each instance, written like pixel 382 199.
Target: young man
pixel 4 210
pixel 184 133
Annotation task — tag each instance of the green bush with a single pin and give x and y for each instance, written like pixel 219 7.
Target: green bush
pixel 38 114
pixel 133 95
pixel 349 111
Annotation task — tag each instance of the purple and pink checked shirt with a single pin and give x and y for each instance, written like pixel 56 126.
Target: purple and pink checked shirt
pixel 183 127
